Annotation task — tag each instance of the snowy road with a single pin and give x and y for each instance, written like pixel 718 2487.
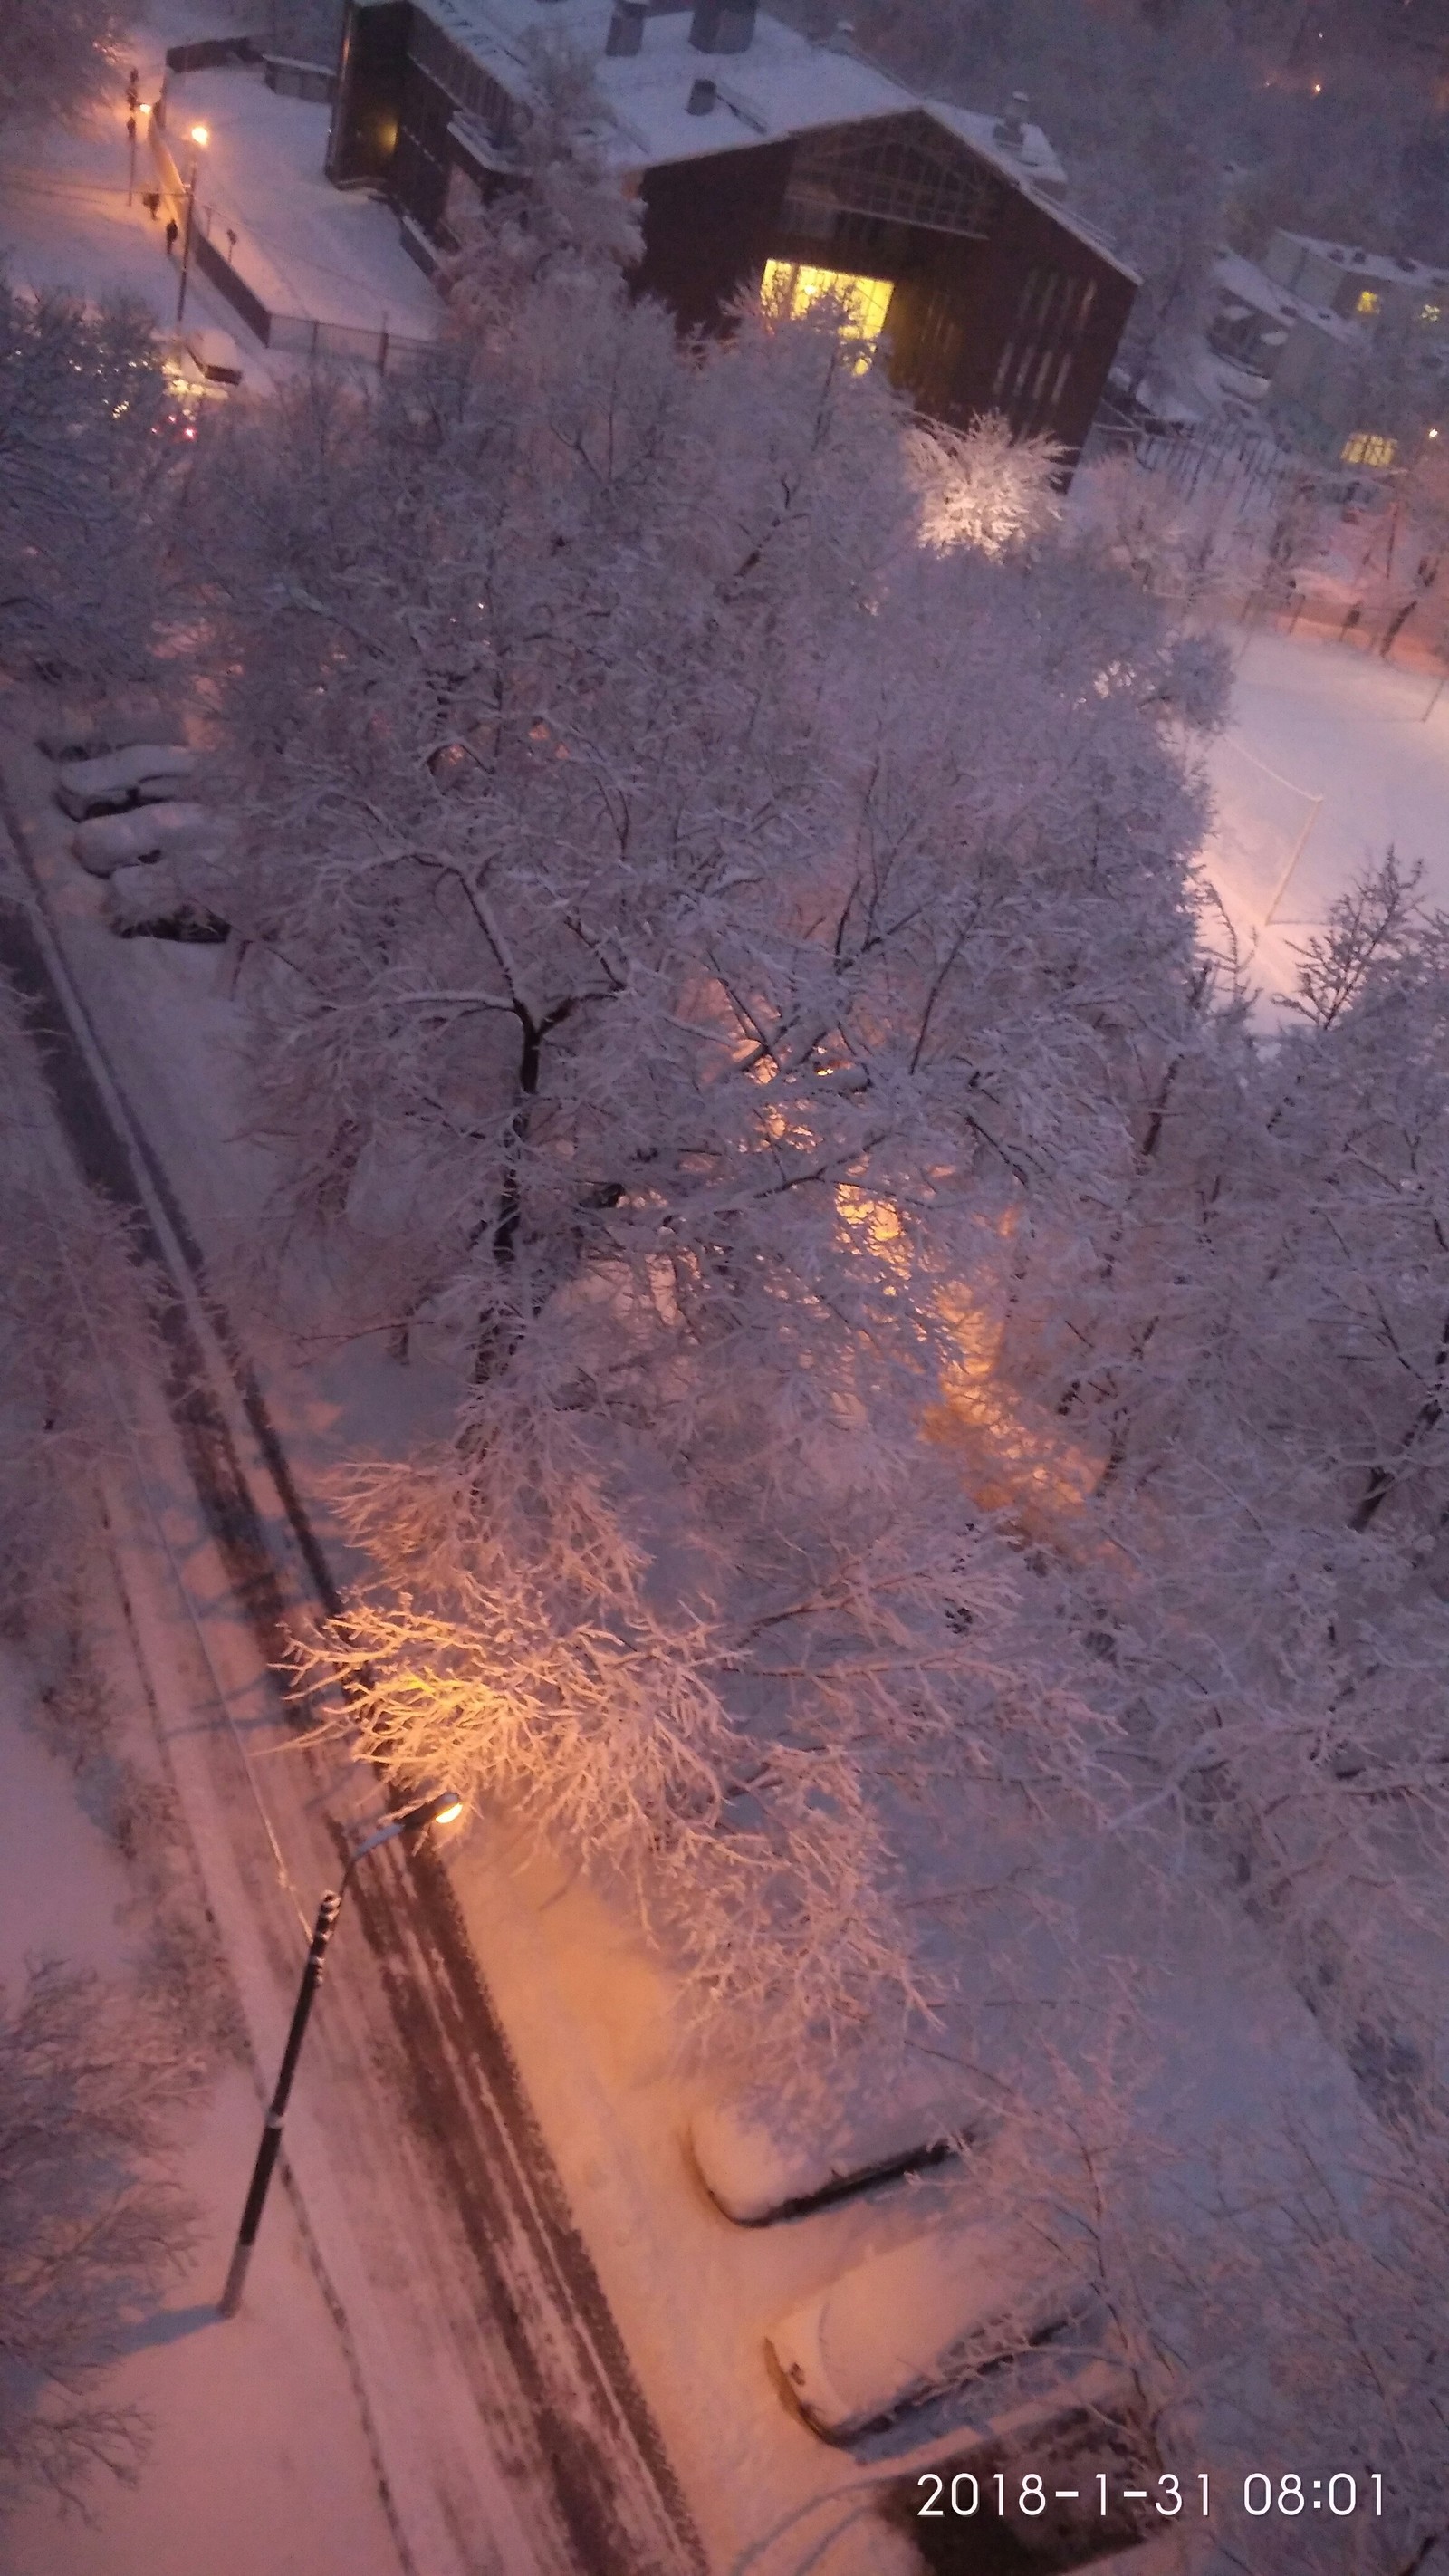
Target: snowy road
pixel 512 2429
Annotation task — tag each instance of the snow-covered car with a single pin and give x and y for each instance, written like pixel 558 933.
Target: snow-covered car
pixel 144 772
pixel 147 903
pixel 762 2156
pixel 215 356
pixel 72 732
pixel 147 832
pixel 924 2316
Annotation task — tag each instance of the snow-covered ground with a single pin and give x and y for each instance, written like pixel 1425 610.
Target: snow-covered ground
pixel 244 2412
pixel 304 247
pixel 589 2016
pixel 1331 754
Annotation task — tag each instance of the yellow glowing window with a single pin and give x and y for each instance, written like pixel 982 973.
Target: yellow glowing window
pixel 865 300
pixel 1368 302
pixel 1365 449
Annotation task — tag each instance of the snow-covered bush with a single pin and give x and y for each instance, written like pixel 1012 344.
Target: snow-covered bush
pixel 981 487
pixel 92 2223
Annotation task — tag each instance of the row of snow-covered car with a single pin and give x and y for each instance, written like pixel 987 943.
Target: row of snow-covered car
pixel 128 780
pixel 985 2313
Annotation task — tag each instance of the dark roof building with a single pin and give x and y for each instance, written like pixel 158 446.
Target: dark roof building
pixel 758 154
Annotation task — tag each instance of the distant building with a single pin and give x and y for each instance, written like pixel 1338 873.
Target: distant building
pixel 756 153
pixel 1358 284
pixel 1307 322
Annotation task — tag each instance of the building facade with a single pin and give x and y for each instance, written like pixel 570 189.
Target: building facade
pixel 759 156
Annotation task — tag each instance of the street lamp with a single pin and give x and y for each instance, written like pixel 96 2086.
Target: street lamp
pixel 441 1810
pixel 200 137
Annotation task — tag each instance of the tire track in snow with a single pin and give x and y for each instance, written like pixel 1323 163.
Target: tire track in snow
pixel 597 2452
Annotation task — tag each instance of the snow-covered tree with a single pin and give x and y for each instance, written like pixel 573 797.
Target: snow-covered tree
pixel 74 1324
pixel 560 214
pixel 92 2223
pixel 981 487
pixel 1253 1386
pixel 692 919
pixel 87 479
pixel 60 57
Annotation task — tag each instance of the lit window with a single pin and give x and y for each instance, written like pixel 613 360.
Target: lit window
pixel 865 300
pixel 1431 313
pixel 1368 302
pixel 1365 449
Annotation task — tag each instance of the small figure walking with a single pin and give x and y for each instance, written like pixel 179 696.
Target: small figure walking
pixel 170 235
pixel 151 200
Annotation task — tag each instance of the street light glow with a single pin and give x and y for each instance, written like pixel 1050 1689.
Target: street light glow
pixel 449 1809
pixel 201 134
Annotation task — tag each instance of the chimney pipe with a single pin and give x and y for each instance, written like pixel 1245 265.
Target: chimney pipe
pixel 1010 129
pixel 722 26
pixel 626 27
pixel 701 98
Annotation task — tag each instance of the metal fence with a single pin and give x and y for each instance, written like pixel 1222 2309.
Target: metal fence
pixel 390 352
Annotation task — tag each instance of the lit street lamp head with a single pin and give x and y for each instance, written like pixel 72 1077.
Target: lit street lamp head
pixel 442 1809
pixel 201 134
pixel 445 1809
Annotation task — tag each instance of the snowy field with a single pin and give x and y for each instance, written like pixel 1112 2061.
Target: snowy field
pixel 1330 755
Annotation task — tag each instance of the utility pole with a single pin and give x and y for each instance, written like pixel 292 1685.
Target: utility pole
pixel 200 137
pixel 440 1810
pixel 133 110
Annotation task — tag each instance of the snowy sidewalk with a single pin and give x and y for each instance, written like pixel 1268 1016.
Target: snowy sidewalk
pixel 262 2459
pixel 305 248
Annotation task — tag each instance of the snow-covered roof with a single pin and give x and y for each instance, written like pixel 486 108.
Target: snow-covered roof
pixel 1252 286
pixel 1031 165
pixel 1031 160
pixel 1371 263
pixel 781 86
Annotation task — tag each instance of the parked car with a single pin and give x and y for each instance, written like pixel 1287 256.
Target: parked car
pixel 146 833
pixel 215 356
pixel 924 2316
pixel 144 773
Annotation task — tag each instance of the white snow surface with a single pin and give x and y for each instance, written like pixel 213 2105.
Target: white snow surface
pixel 1315 721
pixel 589 2014
pixel 305 247
pixel 761 2154
pixel 899 2325
pixel 242 2413
pixel 111 841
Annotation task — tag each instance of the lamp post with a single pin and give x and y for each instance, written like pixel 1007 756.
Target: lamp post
pixel 133 110
pixel 440 1810
pixel 200 137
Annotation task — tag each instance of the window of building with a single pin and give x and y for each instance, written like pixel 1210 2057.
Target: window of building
pixel 789 284
pixel 1431 313
pixel 907 174
pixel 1368 302
pixel 1364 448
